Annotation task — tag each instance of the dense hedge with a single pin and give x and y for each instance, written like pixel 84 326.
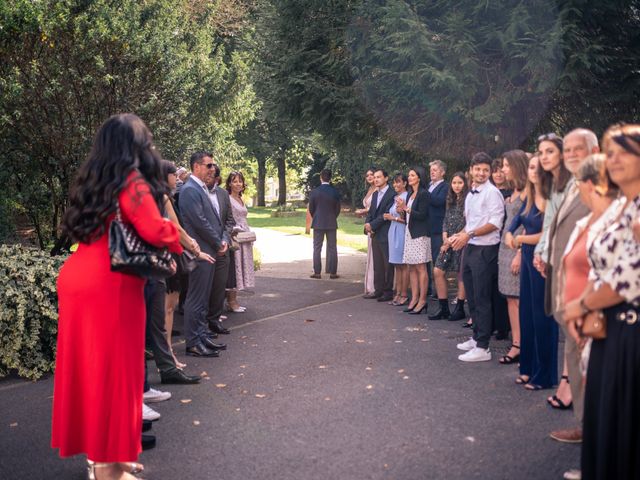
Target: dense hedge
pixel 28 311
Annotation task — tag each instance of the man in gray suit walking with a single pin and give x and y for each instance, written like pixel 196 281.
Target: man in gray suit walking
pixel 203 223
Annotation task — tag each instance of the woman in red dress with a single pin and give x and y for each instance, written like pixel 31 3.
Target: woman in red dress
pixel 97 403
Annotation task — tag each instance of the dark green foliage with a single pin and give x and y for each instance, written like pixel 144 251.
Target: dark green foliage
pixel 28 311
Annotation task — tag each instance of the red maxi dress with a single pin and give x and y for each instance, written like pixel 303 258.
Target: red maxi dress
pixel 99 375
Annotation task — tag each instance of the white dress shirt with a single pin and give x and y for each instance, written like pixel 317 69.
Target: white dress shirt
pixel 484 206
pixel 381 193
pixel 433 185
pixel 213 198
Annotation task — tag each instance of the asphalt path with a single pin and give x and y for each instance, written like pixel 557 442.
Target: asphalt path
pixel 319 383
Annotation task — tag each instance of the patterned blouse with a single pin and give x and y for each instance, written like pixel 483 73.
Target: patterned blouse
pixel 454 219
pixel 615 253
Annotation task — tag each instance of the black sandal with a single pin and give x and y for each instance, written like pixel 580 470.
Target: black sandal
pixel 507 360
pixel 560 404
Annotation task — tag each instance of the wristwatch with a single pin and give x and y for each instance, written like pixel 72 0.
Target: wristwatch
pixel 471 233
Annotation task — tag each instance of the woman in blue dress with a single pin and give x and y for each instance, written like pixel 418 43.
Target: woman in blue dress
pixel 396 241
pixel 539 332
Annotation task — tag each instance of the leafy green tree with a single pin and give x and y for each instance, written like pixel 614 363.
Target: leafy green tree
pixel 68 65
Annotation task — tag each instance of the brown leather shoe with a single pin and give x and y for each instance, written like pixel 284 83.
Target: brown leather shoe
pixel 315 275
pixel 571 435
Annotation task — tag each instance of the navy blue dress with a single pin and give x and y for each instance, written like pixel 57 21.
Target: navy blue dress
pixel 539 332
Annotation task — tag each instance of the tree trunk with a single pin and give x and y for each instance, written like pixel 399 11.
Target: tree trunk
pixel 282 177
pixel 262 178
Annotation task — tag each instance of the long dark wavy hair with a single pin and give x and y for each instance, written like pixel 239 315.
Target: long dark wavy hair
pixel 123 144
pixel 453 198
pixel 422 175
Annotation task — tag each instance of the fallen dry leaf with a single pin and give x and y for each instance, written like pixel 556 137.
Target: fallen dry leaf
pixel 221 385
pixel 196 422
pixel 185 400
pixel 470 439
pixel 309 320
pixel 405 378
pixel 322 367
pixel 15 424
pixel 424 339
pixel 327 398
pixel 260 395
pixel 204 374
pixel 241 374
pixel 368 368
pixel 349 315
pixel 398 341
pixel 292 376
pixel 369 387
pixel 243 337
pixel 243 366
pixel 237 409
pixel 359 340
pixel 244 392
pixel 401 370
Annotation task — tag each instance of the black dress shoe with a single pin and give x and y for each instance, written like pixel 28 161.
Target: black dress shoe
pixel 217 327
pixel 442 314
pixel 211 345
pixel 146 425
pixel 371 296
pixel 200 350
pixel 148 442
pixel 385 298
pixel 178 377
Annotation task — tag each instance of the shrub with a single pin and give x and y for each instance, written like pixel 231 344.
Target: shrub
pixel 28 310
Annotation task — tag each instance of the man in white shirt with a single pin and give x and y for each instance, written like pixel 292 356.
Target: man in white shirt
pixel 484 212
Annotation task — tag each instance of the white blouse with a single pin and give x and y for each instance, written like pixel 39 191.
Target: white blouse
pixel 615 253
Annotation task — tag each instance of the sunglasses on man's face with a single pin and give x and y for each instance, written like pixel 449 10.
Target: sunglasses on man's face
pixel 208 165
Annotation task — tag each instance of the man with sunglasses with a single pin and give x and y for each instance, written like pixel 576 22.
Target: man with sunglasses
pixel 204 224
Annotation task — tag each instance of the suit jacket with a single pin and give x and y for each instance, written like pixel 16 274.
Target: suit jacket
pixel 200 219
pixel 324 207
pixel 375 218
pixel 438 207
pixel 559 232
pixel 226 213
pixel 419 219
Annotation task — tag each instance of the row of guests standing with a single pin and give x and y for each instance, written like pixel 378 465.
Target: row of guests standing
pixel 100 370
pixel 408 224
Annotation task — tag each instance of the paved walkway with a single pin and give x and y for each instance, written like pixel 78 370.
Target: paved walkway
pixel 290 256
pixel 319 383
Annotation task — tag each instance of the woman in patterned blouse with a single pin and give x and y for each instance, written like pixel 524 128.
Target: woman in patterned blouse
pixel 611 437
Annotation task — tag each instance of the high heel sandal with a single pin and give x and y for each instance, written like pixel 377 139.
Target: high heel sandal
pixel 403 302
pixel 522 379
pixel 507 360
pixel 418 312
pixel 132 468
pixel 560 404
pixel 409 309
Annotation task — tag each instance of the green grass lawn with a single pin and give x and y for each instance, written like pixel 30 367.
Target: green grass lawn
pixel 350 227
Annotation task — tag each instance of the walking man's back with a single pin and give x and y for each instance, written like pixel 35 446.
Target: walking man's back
pixel 324 207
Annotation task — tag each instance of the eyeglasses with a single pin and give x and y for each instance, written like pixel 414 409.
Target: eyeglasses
pixel 548 136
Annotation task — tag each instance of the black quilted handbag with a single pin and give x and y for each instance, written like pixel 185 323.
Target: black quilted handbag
pixel 133 256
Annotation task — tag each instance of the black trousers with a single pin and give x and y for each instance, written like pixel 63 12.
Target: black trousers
pixel 436 244
pixel 331 253
pixel 480 277
pixel 155 334
pixel 382 269
pixel 217 293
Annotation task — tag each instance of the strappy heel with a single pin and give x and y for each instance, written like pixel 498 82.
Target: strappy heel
pixel 560 404
pixel 508 360
pixel 131 468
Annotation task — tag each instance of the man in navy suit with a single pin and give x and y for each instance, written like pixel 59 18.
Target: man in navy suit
pixel 324 207
pixel 204 224
pixel 381 202
pixel 438 190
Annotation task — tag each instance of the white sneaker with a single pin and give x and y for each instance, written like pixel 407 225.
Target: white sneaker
pixel 476 355
pixel 573 474
pixel 149 413
pixel 155 396
pixel 468 345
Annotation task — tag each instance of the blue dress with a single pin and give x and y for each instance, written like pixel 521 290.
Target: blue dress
pixel 538 332
pixel 396 234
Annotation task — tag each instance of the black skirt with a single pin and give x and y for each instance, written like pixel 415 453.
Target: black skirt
pixel 611 430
